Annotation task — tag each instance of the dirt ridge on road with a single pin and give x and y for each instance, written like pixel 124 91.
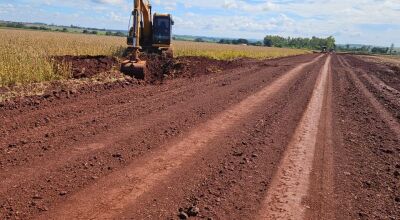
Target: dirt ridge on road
pixel 285 199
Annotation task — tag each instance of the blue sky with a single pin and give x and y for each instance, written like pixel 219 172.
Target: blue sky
pixel 375 22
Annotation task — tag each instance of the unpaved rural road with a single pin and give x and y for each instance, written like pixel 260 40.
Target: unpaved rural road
pixel 306 137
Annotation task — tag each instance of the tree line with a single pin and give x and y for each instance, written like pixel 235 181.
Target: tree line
pixel 240 41
pixel 368 49
pixel 94 31
pixel 313 43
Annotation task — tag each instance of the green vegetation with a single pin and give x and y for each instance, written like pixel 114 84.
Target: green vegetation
pixel 313 43
pixel 365 49
pixel 64 29
pixel 240 41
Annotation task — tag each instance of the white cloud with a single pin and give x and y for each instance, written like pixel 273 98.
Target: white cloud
pixel 233 18
pixel 247 7
pixel 109 1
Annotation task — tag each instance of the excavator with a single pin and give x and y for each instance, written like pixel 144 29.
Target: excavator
pixel 148 34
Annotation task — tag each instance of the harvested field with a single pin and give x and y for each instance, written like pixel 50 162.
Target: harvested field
pixel 313 136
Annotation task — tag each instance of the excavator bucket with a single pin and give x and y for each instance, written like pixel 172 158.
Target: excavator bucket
pixel 137 69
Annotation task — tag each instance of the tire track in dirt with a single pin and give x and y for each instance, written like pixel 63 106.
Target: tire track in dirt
pixel 146 121
pixel 120 189
pixel 94 163
pixel 65 122
pixel 321 195
pixel 383 112
pixel 73 111
pixel 115 107
pixel 285 197
pixel 103 97
pixel 229 179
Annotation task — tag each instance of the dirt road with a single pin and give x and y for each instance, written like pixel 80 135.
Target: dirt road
pixel 305 137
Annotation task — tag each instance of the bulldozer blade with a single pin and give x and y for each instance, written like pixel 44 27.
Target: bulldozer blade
pixel 137 69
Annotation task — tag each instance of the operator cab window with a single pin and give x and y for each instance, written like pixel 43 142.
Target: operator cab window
pixel 162 30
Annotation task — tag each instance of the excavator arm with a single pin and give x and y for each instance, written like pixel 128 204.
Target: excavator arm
pixel 141 31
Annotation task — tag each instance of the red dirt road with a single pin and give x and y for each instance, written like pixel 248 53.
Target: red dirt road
pixel 305 137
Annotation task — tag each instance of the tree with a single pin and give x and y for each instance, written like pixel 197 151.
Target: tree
pixel 44 28
pixel 276 41
pixel 258 43
pixel 380 50
pixel 240 41
pixel 330 42
pixel 225 41
pixel 199 39
pixel 19 25
pixel 120 34
pixel 314 43
pixel 268 42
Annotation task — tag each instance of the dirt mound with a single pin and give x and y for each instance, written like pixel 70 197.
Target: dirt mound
pixel 161 68
pixel 158 67
pixel 87 66
pixel 103 68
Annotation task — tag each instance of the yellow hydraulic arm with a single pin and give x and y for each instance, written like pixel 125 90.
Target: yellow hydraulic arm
pixel 142 25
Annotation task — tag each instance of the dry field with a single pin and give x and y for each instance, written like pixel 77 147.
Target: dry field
pixel 26 55
pixel 228 52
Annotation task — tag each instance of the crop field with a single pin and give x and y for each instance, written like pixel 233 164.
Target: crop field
pixel 228 52
pixel 26 56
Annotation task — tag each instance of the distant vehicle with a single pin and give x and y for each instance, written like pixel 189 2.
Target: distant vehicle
pixel 324 49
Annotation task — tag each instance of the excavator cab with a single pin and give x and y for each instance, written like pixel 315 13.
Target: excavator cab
pixel 162 30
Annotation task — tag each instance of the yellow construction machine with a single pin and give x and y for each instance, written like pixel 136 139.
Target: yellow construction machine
pixel 148 34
